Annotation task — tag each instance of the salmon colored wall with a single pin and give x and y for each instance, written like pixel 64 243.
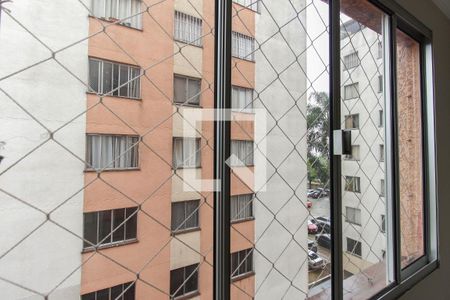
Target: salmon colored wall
pixel 151 47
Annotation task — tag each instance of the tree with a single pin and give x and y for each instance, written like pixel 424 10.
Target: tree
pixel 318 132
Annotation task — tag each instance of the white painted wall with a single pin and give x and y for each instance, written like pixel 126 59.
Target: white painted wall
pixel 368 137
pixel 49 174
pixel 276 244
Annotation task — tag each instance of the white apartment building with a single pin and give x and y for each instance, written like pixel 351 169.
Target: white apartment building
pixel 38 98
pixel 362 106
pixel 278 96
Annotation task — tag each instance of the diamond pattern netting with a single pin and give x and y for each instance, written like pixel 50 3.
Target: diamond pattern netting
pixel 277 76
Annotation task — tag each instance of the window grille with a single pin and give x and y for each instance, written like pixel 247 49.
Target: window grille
pixel 251 4
pixel 354 247
pixel 188 29
pixel 243 46
pixel 351 60
pixel 124 291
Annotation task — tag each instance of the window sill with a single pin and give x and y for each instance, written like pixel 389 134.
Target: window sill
pixel 247 8
pixel 114 96
pixel 113 170
pixel 188 44
pixel 116 23
pixel 353 223
pixel 110 245
pixel 353 254
pixel 243 112
pixel 242 220
pixel 244 59
pixel 187 105
pixel 185 168
pixel 183 231
pixel 351 159
pixel 242 276
pixel 188 295
pixel 242 166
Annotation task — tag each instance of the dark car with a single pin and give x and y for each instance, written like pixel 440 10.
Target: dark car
pixel 323 224
pixel 324 240
pixel 312 246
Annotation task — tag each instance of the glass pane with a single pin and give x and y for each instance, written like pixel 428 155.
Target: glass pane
pixel 90 229
pixel 281 149
pixel 119 228
pixel 66 149
pixel 104 229
pixel 365 243
pixel 131 226
pixel 410 148
pixel 94 75
pixel 107 77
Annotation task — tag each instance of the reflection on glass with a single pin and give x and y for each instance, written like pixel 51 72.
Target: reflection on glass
pixel 364 238
pixel 280 86
pixel 410 148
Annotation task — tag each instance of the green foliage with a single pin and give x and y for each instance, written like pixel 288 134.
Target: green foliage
pixel 318 124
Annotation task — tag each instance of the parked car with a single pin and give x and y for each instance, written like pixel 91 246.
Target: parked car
pixel 323 192
pixel 312 228
pixel 323 224
pixel 324 240
pixel 314 260
pixel 312 246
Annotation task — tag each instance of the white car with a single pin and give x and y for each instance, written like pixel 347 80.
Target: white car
pixel 314 260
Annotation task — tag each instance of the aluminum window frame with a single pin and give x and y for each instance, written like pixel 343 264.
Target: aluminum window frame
pixel 402 280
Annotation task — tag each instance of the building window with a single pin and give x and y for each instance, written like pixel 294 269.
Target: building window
pixel 241 207
pixel 382 188
pixel 125 291
pixel 242 153
pixel 353 215
pixel 354 247
pixel 379 50
pixel 186 90
pixel 352 121
pixel 188 29
pixel 352 184
pixel 185 215
pixel 383 223
pixel 242 99
pixel 243 46
pixel 351 61
pixel 381 118
pixel 241 263
pixel 351 91
pixel 125 12
pixel 184 281
pixel 354 155
pixel 381 153
pixel 186 152
pixel 380 84
pixel 251 4
pixel 114 79
pixel 112 151
pixel 108 227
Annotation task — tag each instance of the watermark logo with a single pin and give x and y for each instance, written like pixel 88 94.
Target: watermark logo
pixel 247 161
